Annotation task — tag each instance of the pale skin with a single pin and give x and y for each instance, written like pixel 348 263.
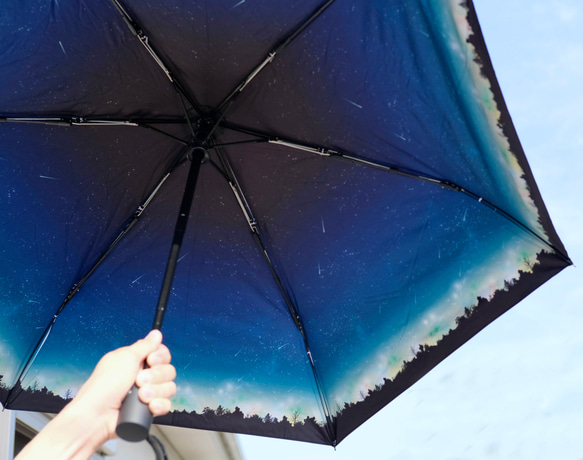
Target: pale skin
pixel 90 418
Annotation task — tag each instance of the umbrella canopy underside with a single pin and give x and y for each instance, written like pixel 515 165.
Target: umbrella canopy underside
pixel 364 210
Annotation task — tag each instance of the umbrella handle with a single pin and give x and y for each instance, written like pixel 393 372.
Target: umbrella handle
pixel 135 418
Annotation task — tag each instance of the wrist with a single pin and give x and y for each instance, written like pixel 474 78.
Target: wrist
pixel 89 421
pixel 74 434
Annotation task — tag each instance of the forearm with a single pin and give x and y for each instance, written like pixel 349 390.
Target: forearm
pixel 74 434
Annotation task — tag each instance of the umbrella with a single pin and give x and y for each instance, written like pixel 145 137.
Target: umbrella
pixel 361 204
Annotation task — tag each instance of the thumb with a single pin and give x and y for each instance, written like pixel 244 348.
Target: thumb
pixel 143 347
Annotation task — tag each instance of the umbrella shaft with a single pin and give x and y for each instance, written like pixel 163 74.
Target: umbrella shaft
pixel 198 155
pixel 166 286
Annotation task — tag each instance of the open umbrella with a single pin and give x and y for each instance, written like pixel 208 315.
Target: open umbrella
pixel 361 202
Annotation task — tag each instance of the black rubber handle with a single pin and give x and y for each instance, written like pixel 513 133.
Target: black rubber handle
pixel 134 419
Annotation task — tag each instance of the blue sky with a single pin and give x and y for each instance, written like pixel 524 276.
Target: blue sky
pixel 514 391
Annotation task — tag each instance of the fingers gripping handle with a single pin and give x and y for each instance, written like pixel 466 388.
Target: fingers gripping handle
pixel 134 419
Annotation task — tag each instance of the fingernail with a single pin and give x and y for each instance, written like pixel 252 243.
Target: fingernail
pixel 154 359
pixel 148 393
pixel 154 333
pixel 143 378
pixel 156 406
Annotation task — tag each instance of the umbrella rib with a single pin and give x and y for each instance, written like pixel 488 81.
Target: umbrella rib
pixel 452 186
pixel 298 322
pixel 252 222
pixel 77 286
pixel 226 103
pixel 396 170
pixel 103 120
pixel 164 133
pixel 137 30
pixel 93 122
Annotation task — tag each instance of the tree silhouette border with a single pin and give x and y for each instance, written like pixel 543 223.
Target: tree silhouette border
pixel 349 417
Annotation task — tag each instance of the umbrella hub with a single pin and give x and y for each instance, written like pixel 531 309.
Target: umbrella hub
pixel 198 152
pixel 205 128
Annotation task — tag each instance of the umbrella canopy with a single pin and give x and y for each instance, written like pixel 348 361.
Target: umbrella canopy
pixel 364 206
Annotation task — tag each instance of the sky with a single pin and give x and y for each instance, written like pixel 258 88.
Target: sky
pixel 515 391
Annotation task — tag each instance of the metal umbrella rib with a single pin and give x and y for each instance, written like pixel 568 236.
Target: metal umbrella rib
pixel 255 229
pixel 226 103
pixel 79 284
pixel 370 163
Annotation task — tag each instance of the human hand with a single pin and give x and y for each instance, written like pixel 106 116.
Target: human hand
pixel 91 417
pixel 114 375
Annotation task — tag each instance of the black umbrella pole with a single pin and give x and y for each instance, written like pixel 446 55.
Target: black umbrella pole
pixel 197 157
pixel 135 417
